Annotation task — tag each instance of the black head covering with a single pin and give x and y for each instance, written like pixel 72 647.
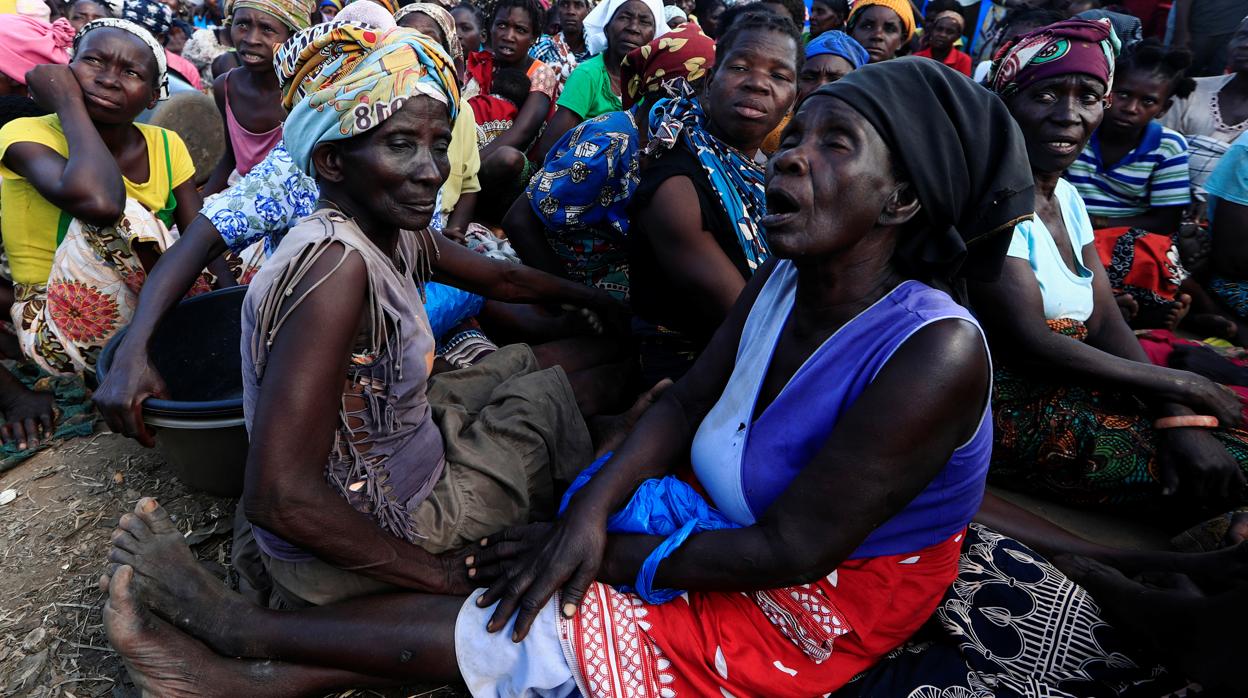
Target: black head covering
pixel 964 154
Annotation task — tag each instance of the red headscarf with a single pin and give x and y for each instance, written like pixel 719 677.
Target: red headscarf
pixel 684 52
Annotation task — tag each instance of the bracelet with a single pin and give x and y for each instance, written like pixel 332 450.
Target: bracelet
pixel 1189 420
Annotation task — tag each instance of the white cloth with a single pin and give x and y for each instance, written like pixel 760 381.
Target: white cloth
pixel 493 666
pixel 596 22
pixel 1067 294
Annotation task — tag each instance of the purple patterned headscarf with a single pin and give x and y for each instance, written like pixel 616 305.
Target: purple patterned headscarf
pixel 1073 46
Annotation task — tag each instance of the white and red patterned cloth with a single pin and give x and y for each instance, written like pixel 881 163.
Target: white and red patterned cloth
pixel 796 641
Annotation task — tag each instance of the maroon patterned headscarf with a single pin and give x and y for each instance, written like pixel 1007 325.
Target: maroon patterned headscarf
pixel 1073 46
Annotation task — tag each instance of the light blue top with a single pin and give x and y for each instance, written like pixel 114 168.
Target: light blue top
pixel 1229 180
pixel 1067 294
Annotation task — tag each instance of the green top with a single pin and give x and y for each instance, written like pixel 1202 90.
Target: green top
pixel 588 90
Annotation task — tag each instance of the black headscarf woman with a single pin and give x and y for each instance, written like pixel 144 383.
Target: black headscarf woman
pixel 965 156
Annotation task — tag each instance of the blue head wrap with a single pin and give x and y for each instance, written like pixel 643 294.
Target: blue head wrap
pixel 838 43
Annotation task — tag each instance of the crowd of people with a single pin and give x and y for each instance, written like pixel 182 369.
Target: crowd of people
pixel 658 349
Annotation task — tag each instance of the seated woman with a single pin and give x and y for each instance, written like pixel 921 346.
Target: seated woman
pixel 696 238
pixel 90 196
pixel 1081 414
pixel 257 28
pixel 940 39
pixel 505 168
pixel 612 30
pixel 790 597
pixel 881 26
pixel 563 225
pixel 829 57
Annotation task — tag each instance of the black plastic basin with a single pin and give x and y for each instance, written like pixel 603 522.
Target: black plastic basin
pixel 200 429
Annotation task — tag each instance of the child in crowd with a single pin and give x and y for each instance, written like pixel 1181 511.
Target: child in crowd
pixel 89 195
pixel 257 28
pixel 84 11
pixel 1133 172
pixel 496 111
pixel 941 35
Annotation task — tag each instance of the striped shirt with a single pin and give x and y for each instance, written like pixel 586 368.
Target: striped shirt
pixel 1153 175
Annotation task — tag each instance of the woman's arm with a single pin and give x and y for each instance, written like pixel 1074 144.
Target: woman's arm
pixel 512 283
pixel 525 126
pixel 1012 311
pixel 217 181
pixel 882 452
pixel 563 121
pixel 688 254
pixel 88 185
pixel 527 235
pixel 296 418
pixel 461 216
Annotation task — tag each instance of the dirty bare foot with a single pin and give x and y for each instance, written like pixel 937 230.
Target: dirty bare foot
pixel 1177 311
pixel 171 582
pixel 163 662
pixel 610 432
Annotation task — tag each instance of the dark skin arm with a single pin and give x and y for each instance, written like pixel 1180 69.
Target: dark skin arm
pixel 88 185
pixel 1230 245
pixel 1182 30
pixel 221 173
pixel 871 466
pixel 133 379
pixel 293 433
pixel 1164 220
pixel 525 126
pixel 527 235
pixel 1012 311
pixel 687 252
pixel 563 121
pixel 512 283
pixel 457 223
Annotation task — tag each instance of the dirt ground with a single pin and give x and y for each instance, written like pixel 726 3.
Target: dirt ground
pixel 53 538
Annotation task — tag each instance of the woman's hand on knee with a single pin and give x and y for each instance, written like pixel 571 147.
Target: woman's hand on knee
pixel 1197 465
pixel 497 554
pixel 566 560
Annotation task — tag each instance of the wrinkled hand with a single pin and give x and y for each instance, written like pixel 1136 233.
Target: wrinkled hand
pixel 567 559
pixel 53 86
pixel 1207 397
pixel 1196 464
pixel 120 397
pixel 498 553
pixel 27 415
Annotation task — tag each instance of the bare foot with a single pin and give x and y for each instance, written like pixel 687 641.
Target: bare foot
pixel 1178 310
pixel 610 432
pixel 163 662
pixel 170 581
pixel 1127 305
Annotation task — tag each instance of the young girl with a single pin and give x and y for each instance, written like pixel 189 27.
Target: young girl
pixel 89 195
pixel 257 28
pixel 469 27
pixel 513 30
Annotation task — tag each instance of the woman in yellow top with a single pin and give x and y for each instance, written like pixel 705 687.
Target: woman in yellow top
pixel 90 196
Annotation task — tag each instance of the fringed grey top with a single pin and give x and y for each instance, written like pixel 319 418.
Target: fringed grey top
pixel 387 453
